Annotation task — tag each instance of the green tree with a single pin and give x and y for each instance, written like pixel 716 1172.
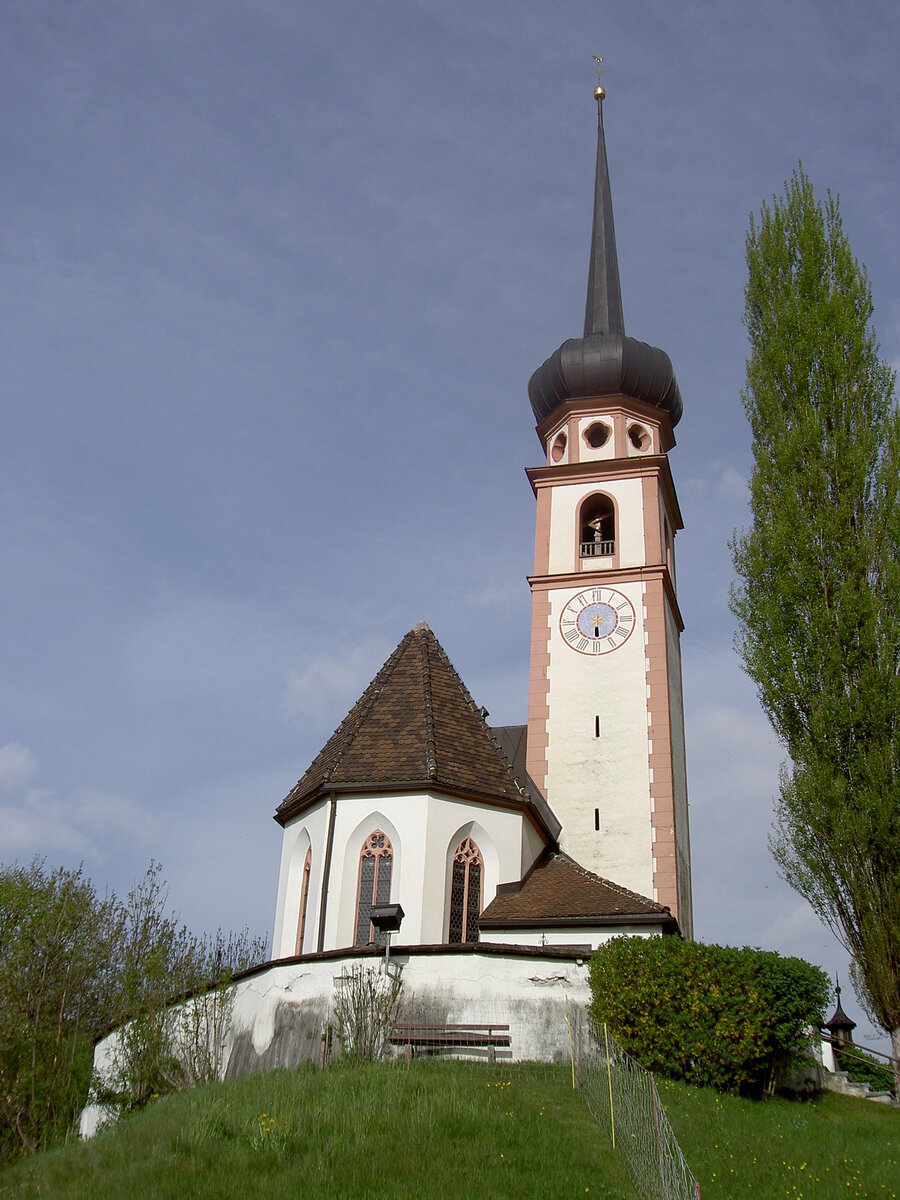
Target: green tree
pixel 58 942
pixel 72 966
pixel 818 597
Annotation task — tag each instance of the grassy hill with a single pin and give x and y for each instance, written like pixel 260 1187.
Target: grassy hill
pixel 445 1129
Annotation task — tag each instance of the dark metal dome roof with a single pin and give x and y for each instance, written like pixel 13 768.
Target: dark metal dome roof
pixel 605 362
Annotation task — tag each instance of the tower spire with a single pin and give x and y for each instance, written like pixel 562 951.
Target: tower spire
pixel 603 310
pixel 604 361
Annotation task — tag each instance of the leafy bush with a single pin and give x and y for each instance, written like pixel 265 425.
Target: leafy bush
pixel 72 965
pixel 864 1068
pixel 711 1015
pixel 57 951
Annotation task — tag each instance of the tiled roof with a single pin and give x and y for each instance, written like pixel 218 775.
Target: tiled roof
pixel 558 889
pixel 414 725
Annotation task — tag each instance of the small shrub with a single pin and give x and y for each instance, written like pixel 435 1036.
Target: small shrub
pixel 366 1007
pixel 711 1015
pixel 864 1068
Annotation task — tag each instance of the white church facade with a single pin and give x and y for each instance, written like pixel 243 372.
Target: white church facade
pixel 414 800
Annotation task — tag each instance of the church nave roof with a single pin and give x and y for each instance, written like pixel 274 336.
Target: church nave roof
pixel 415 726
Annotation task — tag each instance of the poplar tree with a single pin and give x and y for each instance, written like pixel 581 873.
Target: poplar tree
pixel 818 587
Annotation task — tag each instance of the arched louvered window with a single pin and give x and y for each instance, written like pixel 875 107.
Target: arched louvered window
pixel 376 861
pixel 304 897
pixel 465 892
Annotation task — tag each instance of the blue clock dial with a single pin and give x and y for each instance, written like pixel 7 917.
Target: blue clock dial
pixel 597 621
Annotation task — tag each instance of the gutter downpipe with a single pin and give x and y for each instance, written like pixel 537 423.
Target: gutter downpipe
pixel 326 873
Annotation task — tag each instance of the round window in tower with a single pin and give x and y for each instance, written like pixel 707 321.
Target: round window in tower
pixel 597 434
pixel 639 437
pixel 558 449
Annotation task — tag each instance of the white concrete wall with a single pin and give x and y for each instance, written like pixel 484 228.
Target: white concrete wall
pixel 611 772
pixel 278 1012
pixel 462 988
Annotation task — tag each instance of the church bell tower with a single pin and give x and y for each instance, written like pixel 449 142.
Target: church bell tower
pixel 605 711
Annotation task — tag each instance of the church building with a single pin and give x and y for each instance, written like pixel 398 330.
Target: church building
pixel 573 828
pixel 501 857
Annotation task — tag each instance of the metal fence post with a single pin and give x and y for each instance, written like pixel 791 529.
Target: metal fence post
pixel 612 1116
pixel 662 1169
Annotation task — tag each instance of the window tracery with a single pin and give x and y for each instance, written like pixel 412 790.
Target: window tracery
pixel 466 881
pixel 376 861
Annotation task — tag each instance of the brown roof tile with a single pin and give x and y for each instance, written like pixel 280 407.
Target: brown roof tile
pixel 415 724
pixel 558 889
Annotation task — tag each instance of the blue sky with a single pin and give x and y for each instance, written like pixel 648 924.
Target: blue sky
pixel 275 276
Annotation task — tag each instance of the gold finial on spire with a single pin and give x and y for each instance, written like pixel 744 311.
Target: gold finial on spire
pixel 599 90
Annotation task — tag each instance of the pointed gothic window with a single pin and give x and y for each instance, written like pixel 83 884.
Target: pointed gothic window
pixel 304 896
pixel 465 892
pixel 376 862
pixel 598 527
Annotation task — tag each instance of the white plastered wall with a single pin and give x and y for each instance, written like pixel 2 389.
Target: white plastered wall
pixel 308 829
pixel 609 772
pixel 592 935
pixel 679 777
pixel 424 829
pixel 588 453
pixel 628 497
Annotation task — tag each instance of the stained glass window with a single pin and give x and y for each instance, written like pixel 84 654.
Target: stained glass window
pixel 465 892
pixel 376 862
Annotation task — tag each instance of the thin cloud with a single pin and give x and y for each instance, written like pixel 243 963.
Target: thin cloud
pixel 722 478
pixel 17 765
pixel 330 682
pixel 83 825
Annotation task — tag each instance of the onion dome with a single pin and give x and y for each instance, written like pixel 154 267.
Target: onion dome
pixel 605 362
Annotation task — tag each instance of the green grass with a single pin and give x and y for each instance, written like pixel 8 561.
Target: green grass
pixel 440 1129
pixel 443 1129
pixel 819 1149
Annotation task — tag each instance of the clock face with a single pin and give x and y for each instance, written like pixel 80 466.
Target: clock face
pixel 597 621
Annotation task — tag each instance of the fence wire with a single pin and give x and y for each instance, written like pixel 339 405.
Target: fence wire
pixel 623 1099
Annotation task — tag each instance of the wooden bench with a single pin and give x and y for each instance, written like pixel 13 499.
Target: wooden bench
pixel 427 1038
